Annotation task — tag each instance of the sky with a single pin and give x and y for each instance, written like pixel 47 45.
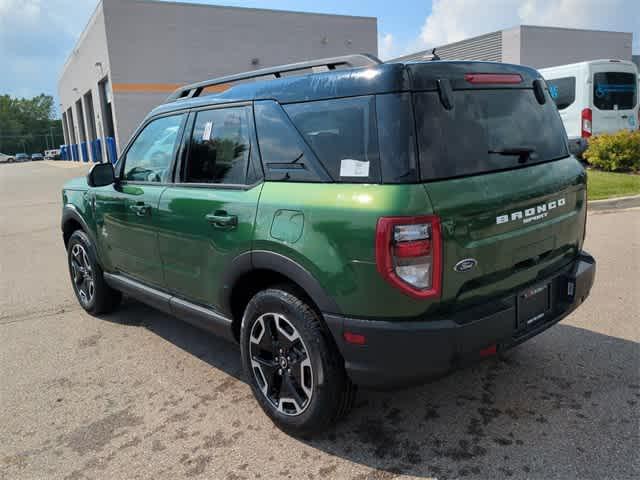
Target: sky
pixel 36 36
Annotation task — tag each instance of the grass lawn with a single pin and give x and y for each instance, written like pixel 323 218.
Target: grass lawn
pixel 607 185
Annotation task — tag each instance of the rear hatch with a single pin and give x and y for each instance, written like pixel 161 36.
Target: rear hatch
pixel 614 97
pixel 495 164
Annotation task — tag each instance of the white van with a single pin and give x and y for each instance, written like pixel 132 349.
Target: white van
pixel 52 154
pixel 599 96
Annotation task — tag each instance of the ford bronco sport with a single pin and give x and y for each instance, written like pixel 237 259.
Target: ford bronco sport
pixel 347 222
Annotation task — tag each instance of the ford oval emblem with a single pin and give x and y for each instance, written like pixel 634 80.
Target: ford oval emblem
pixel 465 265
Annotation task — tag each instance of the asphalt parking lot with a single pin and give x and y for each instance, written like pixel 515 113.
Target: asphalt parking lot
pixel 138 394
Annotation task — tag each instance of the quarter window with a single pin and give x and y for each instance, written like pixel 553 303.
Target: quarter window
pixel 343 135
pixel 220 147
pixel 285 155
pixel 150 155
pixel 562 91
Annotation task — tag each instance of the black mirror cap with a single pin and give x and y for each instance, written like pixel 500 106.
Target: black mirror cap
pixel 100 175
pixel 538 90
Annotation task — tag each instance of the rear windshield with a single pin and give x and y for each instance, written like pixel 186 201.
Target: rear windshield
pixel 486 130
pixel 614 90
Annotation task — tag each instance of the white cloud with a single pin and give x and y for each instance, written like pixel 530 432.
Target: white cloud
pixel 386 46
pixel 453 20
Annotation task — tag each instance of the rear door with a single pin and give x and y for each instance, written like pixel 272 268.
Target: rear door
pixel 126 210
pixel 207 217
pixel 614 97
pixel 498 173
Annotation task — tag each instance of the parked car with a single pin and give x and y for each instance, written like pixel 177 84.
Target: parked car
pixel 37 156
pixel 373 224
pixel 4 158
pixel 22 157
pixel 600 96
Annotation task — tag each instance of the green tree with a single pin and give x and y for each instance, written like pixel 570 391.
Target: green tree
pixel 28 124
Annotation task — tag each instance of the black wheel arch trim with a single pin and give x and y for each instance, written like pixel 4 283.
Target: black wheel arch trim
pixel 276 262
pixel 70 212
pixel 236 269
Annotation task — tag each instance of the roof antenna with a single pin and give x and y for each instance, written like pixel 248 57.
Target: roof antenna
pixel 434 55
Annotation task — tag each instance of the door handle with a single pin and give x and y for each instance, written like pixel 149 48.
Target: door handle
pixel 221 219
pixel 140 209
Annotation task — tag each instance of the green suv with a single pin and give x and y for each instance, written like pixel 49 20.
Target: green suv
pixel 349 223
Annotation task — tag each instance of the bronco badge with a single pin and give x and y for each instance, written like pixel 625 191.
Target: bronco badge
pixel 532 214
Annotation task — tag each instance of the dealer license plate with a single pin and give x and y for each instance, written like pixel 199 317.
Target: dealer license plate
pixel 533 305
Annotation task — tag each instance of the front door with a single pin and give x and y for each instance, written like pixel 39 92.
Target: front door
pixel 126 211
pixel 207 217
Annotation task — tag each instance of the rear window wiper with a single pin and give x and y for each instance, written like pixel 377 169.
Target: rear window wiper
pixel 523 153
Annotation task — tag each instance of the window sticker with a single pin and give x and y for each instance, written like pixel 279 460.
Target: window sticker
pixel 354 168
pixel 206 135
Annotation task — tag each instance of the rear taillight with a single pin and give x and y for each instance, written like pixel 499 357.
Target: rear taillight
pixel 409 254
pixel 484 78
pixel 586 126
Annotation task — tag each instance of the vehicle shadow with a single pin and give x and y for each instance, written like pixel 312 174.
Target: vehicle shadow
pixel 563 405
pixel 217 352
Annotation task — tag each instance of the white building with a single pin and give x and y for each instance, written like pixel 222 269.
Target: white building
pixel 537 47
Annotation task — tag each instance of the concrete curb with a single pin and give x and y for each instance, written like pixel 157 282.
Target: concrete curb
pixel 615 203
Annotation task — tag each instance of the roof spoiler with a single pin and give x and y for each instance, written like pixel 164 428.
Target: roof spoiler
pixel 346 61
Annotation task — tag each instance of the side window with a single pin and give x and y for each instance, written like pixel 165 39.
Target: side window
pixel 149 157
pixel 343 135
pixel 220 147
pixel 285 155
pixel 562 91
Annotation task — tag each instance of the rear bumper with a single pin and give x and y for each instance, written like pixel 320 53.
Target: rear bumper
pixel 401 353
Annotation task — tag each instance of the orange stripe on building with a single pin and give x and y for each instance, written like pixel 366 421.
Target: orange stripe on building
pixel 145 87
pixel 161 88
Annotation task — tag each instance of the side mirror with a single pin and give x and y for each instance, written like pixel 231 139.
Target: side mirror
pixel 101 174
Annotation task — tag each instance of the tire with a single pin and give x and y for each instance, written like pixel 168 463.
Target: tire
pixel 310 363
pixel 87 280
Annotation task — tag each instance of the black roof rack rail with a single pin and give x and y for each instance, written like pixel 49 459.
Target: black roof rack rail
pixel 349 61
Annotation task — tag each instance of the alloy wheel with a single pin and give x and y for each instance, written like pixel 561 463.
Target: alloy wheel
pixel 83 277
pixel 280 364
